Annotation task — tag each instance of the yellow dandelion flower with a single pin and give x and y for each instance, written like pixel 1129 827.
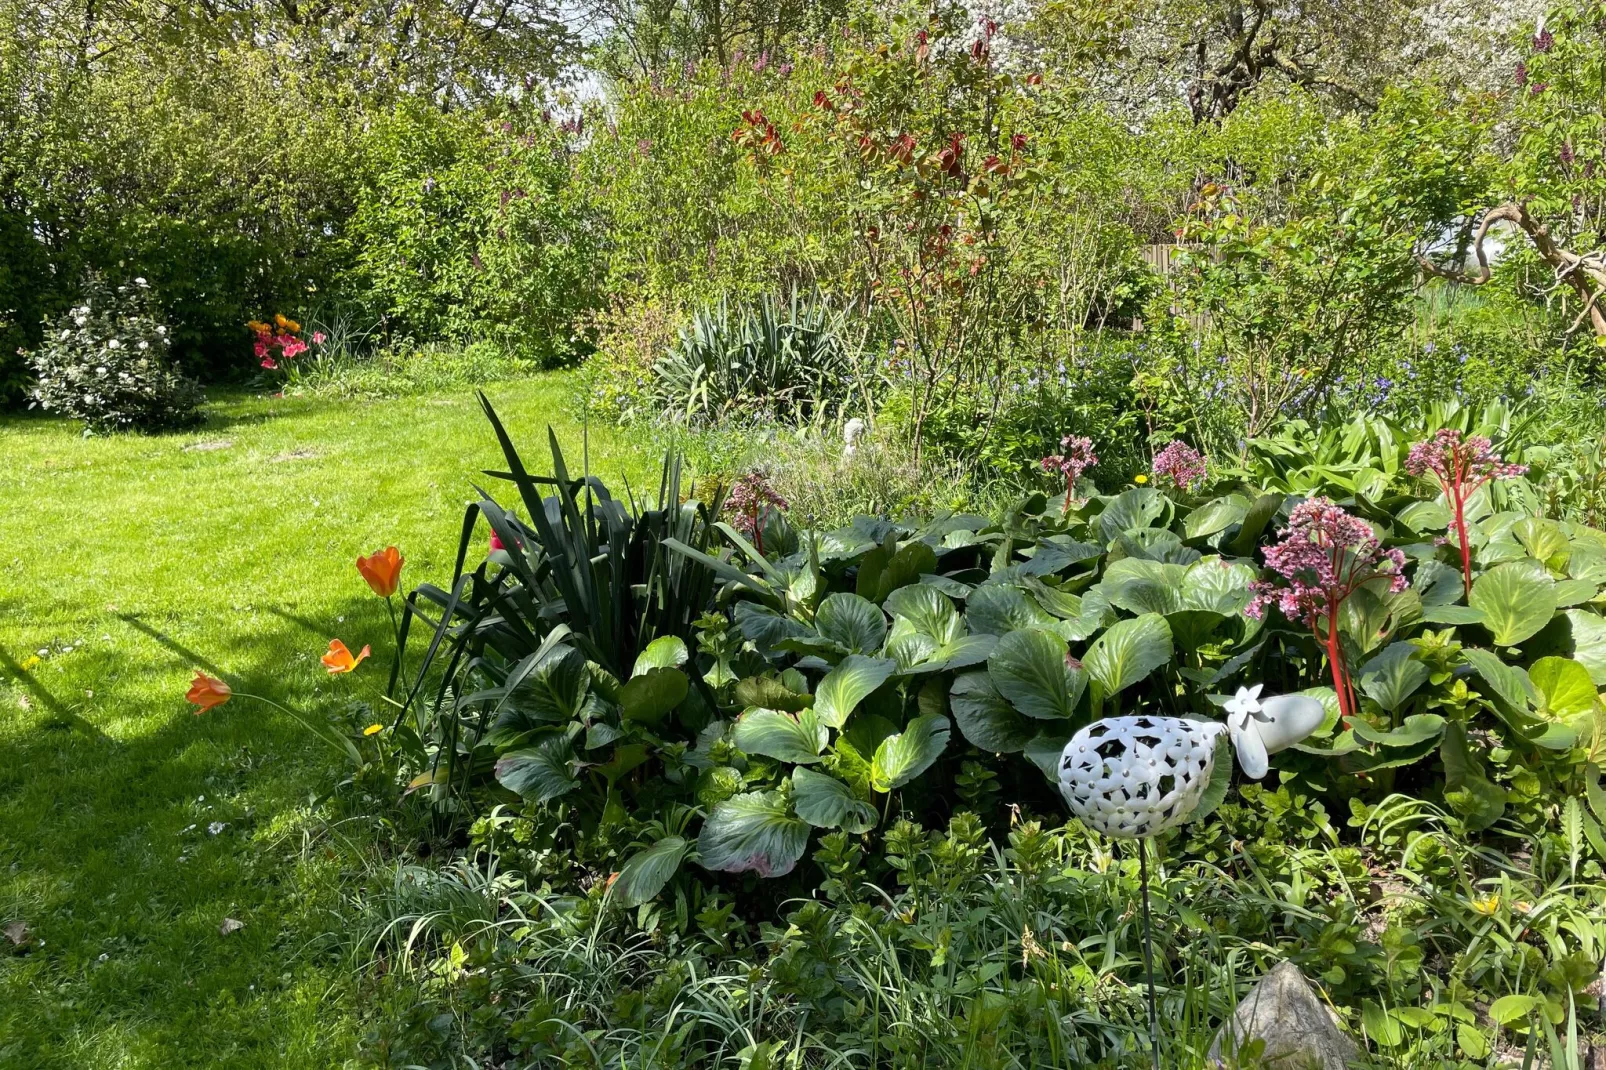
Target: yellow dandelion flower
pixel 373 730
pixel 30 663
pixel 1140 479
pixel 1487 906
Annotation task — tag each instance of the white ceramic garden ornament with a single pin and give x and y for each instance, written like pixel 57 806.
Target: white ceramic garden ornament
pixel 1134 777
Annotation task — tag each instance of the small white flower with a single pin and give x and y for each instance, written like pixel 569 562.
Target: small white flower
pixel 1243 705
pixel 161 330
pixel 140 281
pixel 114 344
pixel 216 827
pixel 144 344
pixel 65 335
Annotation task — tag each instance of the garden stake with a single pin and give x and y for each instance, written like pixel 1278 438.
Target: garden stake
pixel 1148 950
pixel 1132 778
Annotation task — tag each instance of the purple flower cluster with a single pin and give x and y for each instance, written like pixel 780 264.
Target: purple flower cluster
pixel 1183 465
pixel 1324 555
pixel 748 499
pixel 1078 457
pixel 1456 462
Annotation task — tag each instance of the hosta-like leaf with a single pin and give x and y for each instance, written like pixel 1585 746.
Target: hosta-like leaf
pixel 1574 592
pixel 539 774
pixel 1136 508
pixel 1254 523
pixel 902 757
pixel 1508 683
pixel 1452 614
pixel 963 652
pixel 998 609
pixel 986 718
pixel 1029 669
pixel 928 610
pixel 1587 631
pixel 665 652
pixel 1216 515
pixel 753 832
pixel 1393 675
pixel 1217 586
pixel 1479 801
pixel 782 736
pixel 1542 538
pixel 845 686
pixel 772 693
pixel 1437 583
pixel 825 802
pixel 644 875
pixel 1413 731
pixel 1565 689
pixel 1516 599
pixel 650 696
pixel 556 689
pixel 1141 586
pixel 1128 651
pixel 853 623
pixel 881 573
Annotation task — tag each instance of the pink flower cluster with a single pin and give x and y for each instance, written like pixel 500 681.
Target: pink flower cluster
pixel 1460 469
pixel 1452 460
pixel 1324 555
pixel 748 499
pixel 1183 465
pixel 1078 457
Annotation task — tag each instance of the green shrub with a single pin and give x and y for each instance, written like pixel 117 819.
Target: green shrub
pixel 467 228
pixel 108 363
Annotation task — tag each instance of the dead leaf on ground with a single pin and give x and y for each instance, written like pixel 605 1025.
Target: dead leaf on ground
pixel 230 925
pixel 18 933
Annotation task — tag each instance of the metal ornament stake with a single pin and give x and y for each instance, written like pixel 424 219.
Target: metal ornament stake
pixel 1132 778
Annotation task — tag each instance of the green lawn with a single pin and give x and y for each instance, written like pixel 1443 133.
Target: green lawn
pixel 127 563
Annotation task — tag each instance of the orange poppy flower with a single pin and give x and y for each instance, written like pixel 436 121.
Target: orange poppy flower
pixel 339 659
pixel 382 570
pixel 207 691
pixel 286 323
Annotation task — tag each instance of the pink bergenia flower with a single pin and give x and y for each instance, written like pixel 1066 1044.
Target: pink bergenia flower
pixel 1324 556
pixel 748 500
pixel 1183 465
pixel 1077 458
pixel 1460 468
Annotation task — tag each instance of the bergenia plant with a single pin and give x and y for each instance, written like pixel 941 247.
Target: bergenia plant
pixel 749 499
pixel 1324 556
pixel 1077 458
pixel 1180 463
pixel 1461 468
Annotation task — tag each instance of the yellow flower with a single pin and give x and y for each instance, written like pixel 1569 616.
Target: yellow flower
pixel 373 730
pixel 1140 479
pixel 30 663
pixel 1487 906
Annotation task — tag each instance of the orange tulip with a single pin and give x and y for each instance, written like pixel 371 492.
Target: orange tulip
pixel 207 692
pixel 339 659
pixel 382 570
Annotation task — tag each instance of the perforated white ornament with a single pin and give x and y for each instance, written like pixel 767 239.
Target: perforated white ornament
pixel 1134 777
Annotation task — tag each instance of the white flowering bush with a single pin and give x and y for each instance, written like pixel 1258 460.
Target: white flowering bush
pixel 107 363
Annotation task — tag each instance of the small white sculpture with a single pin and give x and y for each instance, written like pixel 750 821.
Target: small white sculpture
pixel 1134 777
pixel 852 431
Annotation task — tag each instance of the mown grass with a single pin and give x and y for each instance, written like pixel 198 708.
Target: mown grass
pixel 125 564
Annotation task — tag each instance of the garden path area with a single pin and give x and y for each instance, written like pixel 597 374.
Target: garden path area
pixel 133 829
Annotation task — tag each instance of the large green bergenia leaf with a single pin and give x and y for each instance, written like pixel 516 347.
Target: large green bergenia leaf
pixel 1217 586
pixel 782 736
pixel 998 609
pixel 665 652
pixel 902 757
pixel 825 802
pixel 1216 515
pixel 845 686
pixel 556 688
pixel 539 774
pixel 1516 599
pixel 1029 668
pixel 853 623
pixel 753 832
pixel 645 874
pixel 1393 675
pixel 1565 689
pixel 1142 586
pixel 1136 508
pixel 650 696
pixel 928 610
pixel 1128 651
pixel 986 718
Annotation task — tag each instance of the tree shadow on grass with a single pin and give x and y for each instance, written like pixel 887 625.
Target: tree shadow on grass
pixel 113 867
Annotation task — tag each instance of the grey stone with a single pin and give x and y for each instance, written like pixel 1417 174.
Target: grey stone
pixel 1300 1032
